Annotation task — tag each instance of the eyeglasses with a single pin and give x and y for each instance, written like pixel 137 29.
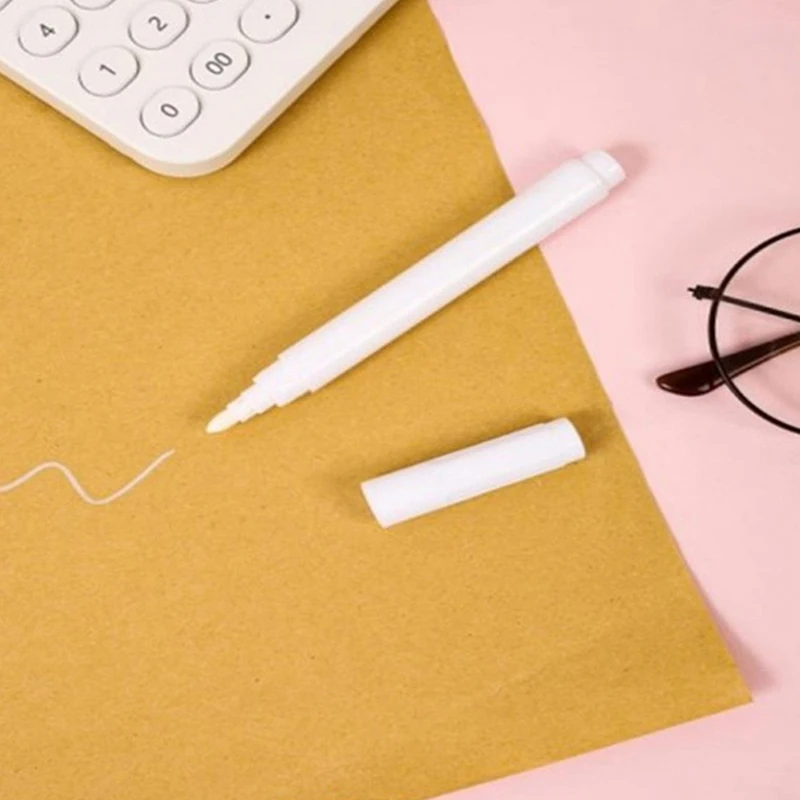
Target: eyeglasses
pixel 754 321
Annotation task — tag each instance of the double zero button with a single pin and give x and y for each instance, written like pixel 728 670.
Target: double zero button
pixel 220 64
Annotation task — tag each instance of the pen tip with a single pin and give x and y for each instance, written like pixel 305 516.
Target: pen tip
pixel 222 422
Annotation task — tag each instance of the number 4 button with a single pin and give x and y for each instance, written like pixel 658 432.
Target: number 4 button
pixel 107 72
pixel 47 31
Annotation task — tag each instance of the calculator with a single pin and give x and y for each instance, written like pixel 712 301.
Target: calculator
pixel 180 86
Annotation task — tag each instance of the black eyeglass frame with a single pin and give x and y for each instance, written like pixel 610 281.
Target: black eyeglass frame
pixel 712 330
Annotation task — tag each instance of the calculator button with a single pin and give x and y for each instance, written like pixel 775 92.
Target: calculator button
pixel 220 64
pixel 92 5
pixel 268 20
pixel 158 24
pixel 47 31
pixel 170 111
pixel 107 72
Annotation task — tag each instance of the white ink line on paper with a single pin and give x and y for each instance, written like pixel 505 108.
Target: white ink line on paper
pixel 73 481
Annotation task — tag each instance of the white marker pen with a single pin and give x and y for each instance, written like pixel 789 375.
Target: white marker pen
pixel 421 291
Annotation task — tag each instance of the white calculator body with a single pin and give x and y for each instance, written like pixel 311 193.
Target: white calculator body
pixel 180 86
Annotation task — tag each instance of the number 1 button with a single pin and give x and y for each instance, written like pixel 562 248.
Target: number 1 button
pixel 107 72
pixel 170 111
pixel 47 31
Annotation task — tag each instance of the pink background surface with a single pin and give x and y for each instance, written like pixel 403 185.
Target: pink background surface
pixel 701 100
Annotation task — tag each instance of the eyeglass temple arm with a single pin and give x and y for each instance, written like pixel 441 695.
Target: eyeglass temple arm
pixel 704 378
pixel 712 293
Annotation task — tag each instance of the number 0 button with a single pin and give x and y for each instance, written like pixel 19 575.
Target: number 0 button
pixel 220 64
pixel 170 111
pixel 107 72
pixel 158 24
pixel 268 20
pixel 47 31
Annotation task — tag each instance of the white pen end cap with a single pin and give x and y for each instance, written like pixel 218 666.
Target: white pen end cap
pixel 610 171
pixel 469 473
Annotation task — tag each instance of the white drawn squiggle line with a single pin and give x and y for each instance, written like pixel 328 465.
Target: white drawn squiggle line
pixel 73 481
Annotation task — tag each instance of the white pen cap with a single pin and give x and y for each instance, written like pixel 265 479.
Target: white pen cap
pixel 477 470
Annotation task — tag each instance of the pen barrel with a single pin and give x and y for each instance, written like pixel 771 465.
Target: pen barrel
pixel 437 280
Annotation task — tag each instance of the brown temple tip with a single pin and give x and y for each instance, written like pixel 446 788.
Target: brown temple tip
pixel 691 381
pixel 704 378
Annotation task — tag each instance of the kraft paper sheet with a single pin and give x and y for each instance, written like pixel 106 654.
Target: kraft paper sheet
pixel 238 626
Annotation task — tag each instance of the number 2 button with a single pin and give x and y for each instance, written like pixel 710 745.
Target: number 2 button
pixel 220 64
pixel 170 111
pixel 47 31
pixel 158 24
